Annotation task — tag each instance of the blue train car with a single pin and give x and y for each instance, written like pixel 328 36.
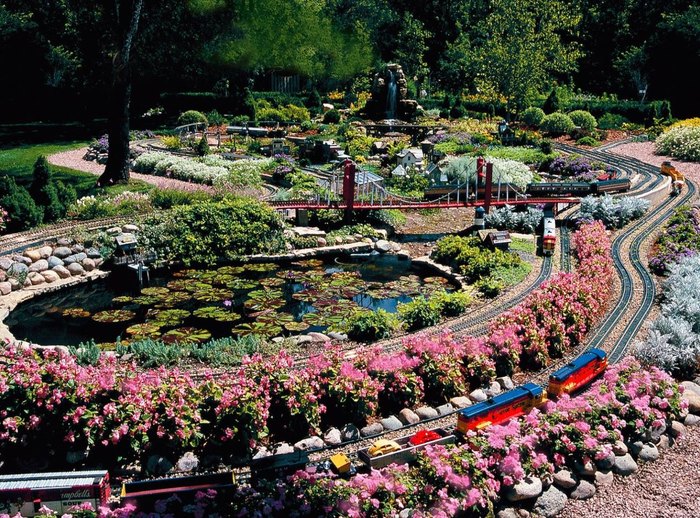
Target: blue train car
pixel 577 373
pixel 501 408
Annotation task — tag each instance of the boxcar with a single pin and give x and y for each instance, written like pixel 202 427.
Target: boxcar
pixel 26 493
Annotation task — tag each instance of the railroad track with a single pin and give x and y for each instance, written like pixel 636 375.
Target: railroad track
pixel 14 243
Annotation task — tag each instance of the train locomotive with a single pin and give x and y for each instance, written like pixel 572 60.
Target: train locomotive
pixel 677 179
pixel 59 491
pixel 549 234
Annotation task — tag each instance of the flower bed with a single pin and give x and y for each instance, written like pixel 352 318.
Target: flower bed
pixel 680 239
pixel 113 413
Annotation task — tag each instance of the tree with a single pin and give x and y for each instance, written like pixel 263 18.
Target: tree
pixel 525 48
pixel 126 14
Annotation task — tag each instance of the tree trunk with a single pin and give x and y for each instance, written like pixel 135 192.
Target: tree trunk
pixel 127 13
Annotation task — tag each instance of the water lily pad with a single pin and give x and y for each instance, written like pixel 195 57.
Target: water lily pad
pixel 309 263
pixel 230 270
pixel 198 286
pixel 123 299
pixel 306 295
pixel 260 267
pixel 242 284
pixel 260 305
pixel 187 273
pixel 257 328
pixel 212 295
pixel 155 291
pixel 275 318
pixel 179 284
pixel 436 280
pixel 186 335
pixel 76 313
pixel 272 281
pixel 265 294
pixel 107 346
pixel 145 330
pixel 113 316
pixel 216 313
pixel 169 317
pixel 314 319
pixel 296 326
pixel 173 298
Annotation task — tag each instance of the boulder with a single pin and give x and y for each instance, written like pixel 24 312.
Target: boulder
pixel 302 339
pixel 5 288
pixel 445 409
pixel 494 389
pixel 50 276
pixel 310 443
pixel 693 400
pixel 88 264
pixel 408 416
pixel 158 465
pixel 664 442
pixel 283 448
pixel 529 487
pixel 678 429
pixel 54 261
pixel 636 447
pixel 648 453
pixel 62 252
pixel 478 395
pixel 620 448
pixel 606 462
pixel 113 231
pixel 426 412
pixel 625 465
pixel 508 512
pixel 505 382
pixel 35 278
pixel 583 491
pixel 391 423
pixel 332 437
pixel 318 337
pixel 18 269
pixel 550 503
pixel 460 402
pixel 383 246
pixel 188 462
pixel 14 283
pixel 349 432
pixel 130 228
pixel 22 259
pixel 326 107
pixel 691 420
pixel 588 468
pixel 604 478
pixel 321 241
pixel 45 252
pixel 62 271
pixel 337 336
pixel 262 453
pixel 690 386
pixel 3 276
pixel 5 263
pixel 98 262
pixel 564 479
pixel 63 241
pixel 93 253
pixel 75 269
pixel 27 282
pixel 77 248
pixel 371 429
pixel 33 255
pixel 40 266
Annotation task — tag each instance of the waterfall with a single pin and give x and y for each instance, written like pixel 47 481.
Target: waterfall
pixel 391 96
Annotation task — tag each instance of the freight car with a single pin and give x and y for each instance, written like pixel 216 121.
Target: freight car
pixel 27 493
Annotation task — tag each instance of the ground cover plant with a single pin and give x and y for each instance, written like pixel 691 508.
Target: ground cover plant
pixel 681 142
pixel 613 212
pixel 681 238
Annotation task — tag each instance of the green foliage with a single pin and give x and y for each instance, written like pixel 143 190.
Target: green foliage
pixel 681 142
pixel 557 124
pixel 331 117
pixel 471 258
pixel 552 104
pixel 215 118
pixel 453 304
pixel 532 116
pixel 370 326
pixel 87 353
pixel 609 121
pixel 583 119
pixel 587 141
pixel 172 142
pixel 22 211
pixel 205 232
pixel 169 198
pixel 202 148
pixel 419 313
pixel 413 184
pixel 490 286
pixel 191 117
pixel 314 101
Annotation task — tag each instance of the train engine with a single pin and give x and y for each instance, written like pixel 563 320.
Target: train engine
pixel 677 179
pixel 501 408
pixel 578 373
pixel 549 235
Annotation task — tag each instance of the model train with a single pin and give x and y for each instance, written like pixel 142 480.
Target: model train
pixel 677 179
pixel 537 190
pixel 26 494
pixel 549 234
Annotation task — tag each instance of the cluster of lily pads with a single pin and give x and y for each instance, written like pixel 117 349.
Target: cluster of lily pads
pixel 253 299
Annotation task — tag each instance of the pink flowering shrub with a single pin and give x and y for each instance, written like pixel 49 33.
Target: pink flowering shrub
pixel 400 386
pixel 557 315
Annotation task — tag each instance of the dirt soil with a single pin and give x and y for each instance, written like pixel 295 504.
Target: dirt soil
pixel 423 228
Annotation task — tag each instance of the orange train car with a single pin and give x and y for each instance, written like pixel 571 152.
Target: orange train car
pixel 501 408
pixel 578 373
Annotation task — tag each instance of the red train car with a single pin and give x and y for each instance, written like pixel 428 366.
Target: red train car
pixel 27 493
pixel 577 373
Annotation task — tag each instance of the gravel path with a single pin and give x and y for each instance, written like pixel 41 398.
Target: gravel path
pixel 74 160
pixel 644 152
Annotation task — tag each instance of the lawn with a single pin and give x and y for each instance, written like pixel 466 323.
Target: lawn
pixel 19 162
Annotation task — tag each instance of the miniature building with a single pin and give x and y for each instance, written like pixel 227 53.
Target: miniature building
pixel 412 157
pixel 436 175
pixel 399 170
pixel 126 243
pixel 427 147
pixel 378 148
pixel 495 238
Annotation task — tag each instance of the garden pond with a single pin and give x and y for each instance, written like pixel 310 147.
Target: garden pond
pixel 194 305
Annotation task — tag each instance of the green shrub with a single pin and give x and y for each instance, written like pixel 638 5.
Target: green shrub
pixel 453 304
pixel 557 124
pixel 169 198
pixel 588 141
pixel 610 121
pixel 215 118
pixel 681 142
pixel 202 148
pixel 490 286
pixel 370 326
pixel 270 114
pixel 420 313
pixel 205 232
pixel 553 103
pixel 471 258
pixel 533 116
pixel 296 113
pixel 331 117
pixel 172 142
pixel 191 117
pixel 583 120
pixel 22 211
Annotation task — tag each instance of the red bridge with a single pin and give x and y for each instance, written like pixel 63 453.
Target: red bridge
pixel 371 196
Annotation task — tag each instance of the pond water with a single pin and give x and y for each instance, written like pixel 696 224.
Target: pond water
pixel 194 305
